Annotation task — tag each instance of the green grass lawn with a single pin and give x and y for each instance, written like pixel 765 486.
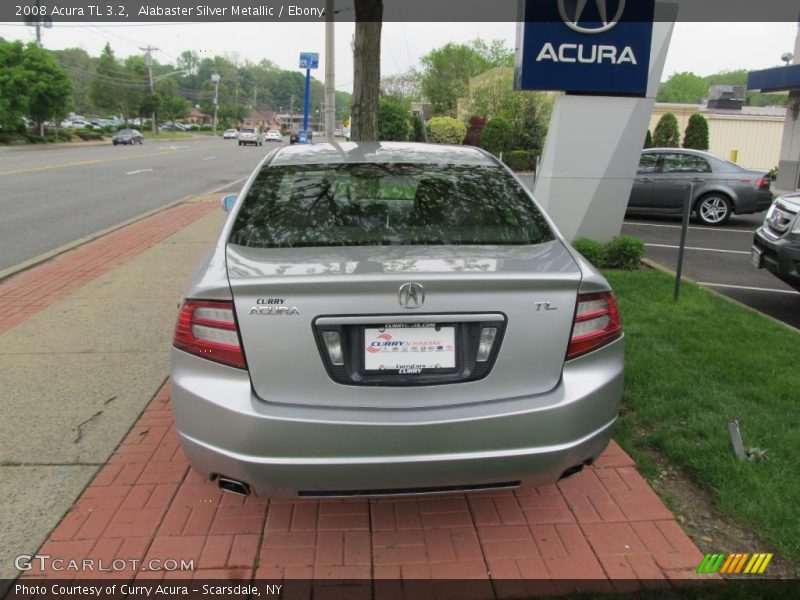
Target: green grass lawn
pixel 692 366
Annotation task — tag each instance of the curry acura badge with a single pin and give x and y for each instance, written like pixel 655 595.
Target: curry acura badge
pixel 411 295
pixel 273 306
pixel 572 18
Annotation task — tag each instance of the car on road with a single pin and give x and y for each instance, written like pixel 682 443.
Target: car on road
pixel 229 134
pixel 273 135
pixel 127 136
pixel 248 136
pixel 294 137
pixel 721 188
pixel 776 244
pixel 384 318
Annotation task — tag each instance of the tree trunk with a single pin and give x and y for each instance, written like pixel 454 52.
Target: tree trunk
pixel 366 70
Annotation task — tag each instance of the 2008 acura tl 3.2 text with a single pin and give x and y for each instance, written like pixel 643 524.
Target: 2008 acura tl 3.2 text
pixel 392 318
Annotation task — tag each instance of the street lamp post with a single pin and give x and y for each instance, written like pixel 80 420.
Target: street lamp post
pixel 215 77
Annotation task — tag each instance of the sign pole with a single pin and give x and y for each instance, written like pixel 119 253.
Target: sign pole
pixel 305 103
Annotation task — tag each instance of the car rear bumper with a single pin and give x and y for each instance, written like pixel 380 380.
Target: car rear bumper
pixel 282 450
pixel 780 257
pixel 757 201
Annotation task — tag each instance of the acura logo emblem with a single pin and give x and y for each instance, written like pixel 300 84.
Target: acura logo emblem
pixel 572 17
pixel 411 295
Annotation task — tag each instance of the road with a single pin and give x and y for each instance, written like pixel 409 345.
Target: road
pixel 719 258
pixel 53 196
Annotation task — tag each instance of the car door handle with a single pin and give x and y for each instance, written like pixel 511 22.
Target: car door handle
pixel 697 179
pixel 646 179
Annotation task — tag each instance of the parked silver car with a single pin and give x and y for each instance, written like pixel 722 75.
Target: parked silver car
pixel 776 244
pixel 721 188
pixel 384 318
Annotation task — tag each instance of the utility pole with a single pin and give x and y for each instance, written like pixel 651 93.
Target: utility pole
pixel 215 77
pixel 330 79
pixel 291 114
pixel 148 61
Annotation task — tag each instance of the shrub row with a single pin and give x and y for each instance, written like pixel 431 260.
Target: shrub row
pixel 622 252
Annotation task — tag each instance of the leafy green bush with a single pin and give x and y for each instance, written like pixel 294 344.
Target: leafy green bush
pixel 446 130
pixel 624 252
pixel 648 140
pixel 496 136
pixel 88 136
pixel 696 134
pixel 393 122
pixel 520 160
pixel 667 134
pixel 417 129
pixel 592 250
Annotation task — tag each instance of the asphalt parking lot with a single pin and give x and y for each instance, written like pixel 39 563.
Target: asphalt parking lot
pixel 719 258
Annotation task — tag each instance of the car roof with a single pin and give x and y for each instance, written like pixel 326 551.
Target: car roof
pixel 683 151
pixel 381 152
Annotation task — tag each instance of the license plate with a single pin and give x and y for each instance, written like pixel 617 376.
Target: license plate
pixel 409 349
pixel 756 256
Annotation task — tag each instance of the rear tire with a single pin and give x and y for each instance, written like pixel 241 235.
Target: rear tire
pixel 714 209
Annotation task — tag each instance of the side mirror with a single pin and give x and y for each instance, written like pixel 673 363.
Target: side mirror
pixel 227 202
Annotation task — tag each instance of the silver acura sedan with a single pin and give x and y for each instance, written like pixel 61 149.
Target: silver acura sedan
pixel 392 318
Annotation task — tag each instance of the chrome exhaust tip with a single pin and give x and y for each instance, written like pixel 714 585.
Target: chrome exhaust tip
pixel 232 486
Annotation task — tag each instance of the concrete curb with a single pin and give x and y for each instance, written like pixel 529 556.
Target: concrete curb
pixel 659 267
pixel 42 258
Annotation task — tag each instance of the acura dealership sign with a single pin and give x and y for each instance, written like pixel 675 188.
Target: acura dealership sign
pixel 585 46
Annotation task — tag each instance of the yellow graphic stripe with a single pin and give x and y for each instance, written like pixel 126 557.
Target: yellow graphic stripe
pixel 754 562
pixel 764 564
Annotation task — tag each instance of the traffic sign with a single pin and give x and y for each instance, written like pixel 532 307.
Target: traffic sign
pixel 309 60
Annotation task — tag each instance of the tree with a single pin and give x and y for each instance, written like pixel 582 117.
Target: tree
pixel 446 74
pixel 648 140
pixel 528 113
pixel 496 136
pixel 696 134
pixel 667 134
pixel 49 87
pixel 683 88
pixel 473 136
pixel 13 76
pixel 402 87
pixel 393 122
pixel 80 68
pixel 366 70
pixel 106 84
pixel 446 130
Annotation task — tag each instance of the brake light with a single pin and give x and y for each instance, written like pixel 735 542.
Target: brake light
pixel 763 181
pixel 208 329
pixel 596 323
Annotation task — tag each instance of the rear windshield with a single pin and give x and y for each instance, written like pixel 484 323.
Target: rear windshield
pixel 386 204
pixel 247 130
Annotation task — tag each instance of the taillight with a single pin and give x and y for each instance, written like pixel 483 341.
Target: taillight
pixel 207 328
pixel 596 323
pixel 763 181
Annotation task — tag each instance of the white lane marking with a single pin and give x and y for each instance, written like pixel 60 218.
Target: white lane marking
pixel 209 157
pixel 139 171
pixel 696 248
pixel 173 147
pixel 747 287
pixel 726 230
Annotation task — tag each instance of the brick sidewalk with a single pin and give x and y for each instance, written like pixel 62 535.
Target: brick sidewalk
pixel 30 292
pixel 605 525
